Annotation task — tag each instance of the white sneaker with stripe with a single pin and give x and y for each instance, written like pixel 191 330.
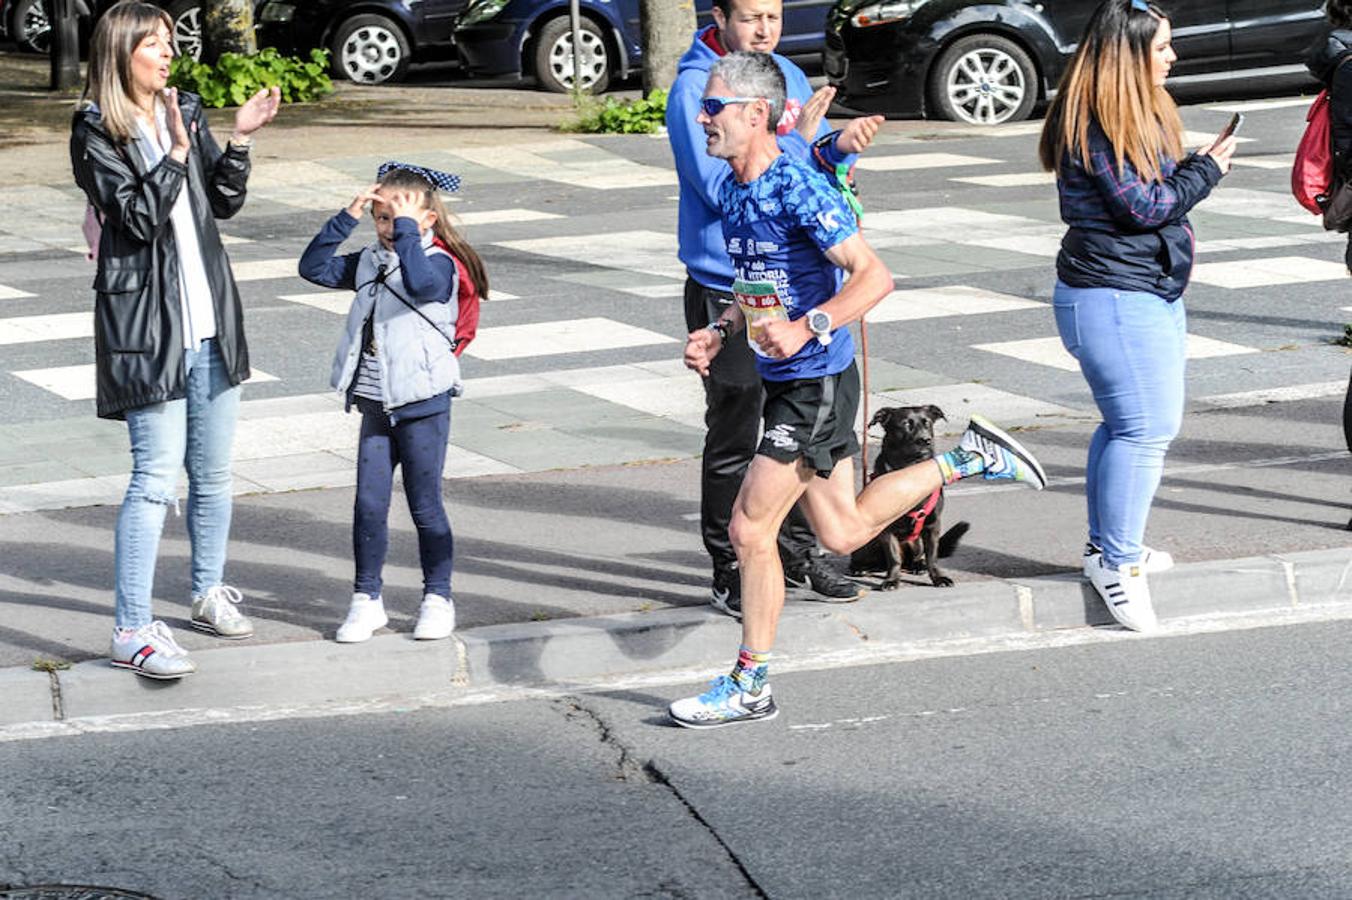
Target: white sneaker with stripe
pixel 1126 593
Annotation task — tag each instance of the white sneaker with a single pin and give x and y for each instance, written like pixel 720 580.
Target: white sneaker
pixel 215 613
pixel 1126 594
pixel 151 651
pixel 436 618
pixel 365 617
pixel 1152 561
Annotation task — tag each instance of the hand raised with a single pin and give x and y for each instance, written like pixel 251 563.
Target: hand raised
pixel 813 111
pixel 257 111
pixel 358 204
pixel 404 203
pixel 178 131
pixel 1221 152
pixel 858 134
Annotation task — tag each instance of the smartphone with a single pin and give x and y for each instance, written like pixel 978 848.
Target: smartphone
pixel 1236 122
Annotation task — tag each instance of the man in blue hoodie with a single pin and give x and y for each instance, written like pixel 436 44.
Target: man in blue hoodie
pixel 732 389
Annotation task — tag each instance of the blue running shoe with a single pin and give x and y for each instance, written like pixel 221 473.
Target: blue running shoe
pixel 1005 458
pixel 724 704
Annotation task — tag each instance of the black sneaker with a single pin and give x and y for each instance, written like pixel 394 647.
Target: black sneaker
pixel 726 593
pixel 829 585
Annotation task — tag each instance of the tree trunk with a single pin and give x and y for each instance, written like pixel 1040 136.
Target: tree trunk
pixel 667 28
pixel 227 27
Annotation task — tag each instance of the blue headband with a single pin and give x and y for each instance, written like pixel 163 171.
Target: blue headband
pixel 439 180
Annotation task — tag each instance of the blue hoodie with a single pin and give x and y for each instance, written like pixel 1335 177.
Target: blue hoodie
pixel 700 227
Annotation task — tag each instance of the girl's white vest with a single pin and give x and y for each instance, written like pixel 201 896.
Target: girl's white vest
pixel 416 361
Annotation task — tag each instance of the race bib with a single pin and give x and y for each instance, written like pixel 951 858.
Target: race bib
pixel 760 304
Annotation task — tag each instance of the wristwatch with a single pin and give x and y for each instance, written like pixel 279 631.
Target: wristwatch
pixel 720 328
pixel 819 323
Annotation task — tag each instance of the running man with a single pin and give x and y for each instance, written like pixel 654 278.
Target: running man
pixel 791 237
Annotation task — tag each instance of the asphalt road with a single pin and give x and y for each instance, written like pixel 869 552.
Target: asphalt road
pixel 1204 765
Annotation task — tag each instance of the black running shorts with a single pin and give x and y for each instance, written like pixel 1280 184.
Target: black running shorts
pixel 812 419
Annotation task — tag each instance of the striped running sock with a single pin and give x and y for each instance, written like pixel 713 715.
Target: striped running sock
pixel 752 669
pixel 958 464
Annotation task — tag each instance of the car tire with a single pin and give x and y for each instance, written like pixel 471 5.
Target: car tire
pixel 554 57
pixel 983 79
pixel 31 26
pixel 371 49
pixel 187 18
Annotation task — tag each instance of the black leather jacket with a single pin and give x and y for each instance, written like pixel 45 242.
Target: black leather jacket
pixel 138 316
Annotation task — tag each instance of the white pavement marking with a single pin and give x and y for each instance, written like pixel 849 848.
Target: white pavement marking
pixel 1246 273
pixel 1267 161
pixel 921 161
pixel 1269 241
pixel 954 300
pixel 1250 204
pixel 567 336
pixel 262 269
pixel 9 293
pixel 78 382
pixel 495 216
pixel 1312 391
pixel 582 165
pixel 1194 139
pixel 649 252
pixel 330 301
pixel 1249 105
pixel 656 291
pixel 676 399
pixel 54 327
pixel 959 401
pixel 945 224
pixel 1050 352
pixel 1013 179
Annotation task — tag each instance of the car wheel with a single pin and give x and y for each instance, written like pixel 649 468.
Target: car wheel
pixel 187 19
pixel 371 49
pixel 984 79
pixel 554 56
pixel 31 28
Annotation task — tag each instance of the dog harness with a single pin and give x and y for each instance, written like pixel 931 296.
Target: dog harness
pixel 920 514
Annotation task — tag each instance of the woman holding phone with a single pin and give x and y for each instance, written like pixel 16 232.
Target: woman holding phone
pixel 1114 139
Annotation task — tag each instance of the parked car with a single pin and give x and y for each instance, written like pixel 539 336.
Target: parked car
pixel 992 61
pixel 372 41
pixel 27 23
pixel 534 38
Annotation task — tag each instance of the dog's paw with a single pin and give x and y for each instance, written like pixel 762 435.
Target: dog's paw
pixel 942 581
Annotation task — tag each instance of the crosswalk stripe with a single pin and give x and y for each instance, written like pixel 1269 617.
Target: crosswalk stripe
pixel 52 327
pixel 911 161
pixel 955 300
pixel 78 382
pixel 9 293
pixel 647 252
pixel 501 216
pixel 1013 179
pixel 262 269
pixel 1314 391
pixel 1265 272
pixel 567 336
pixel 1050 351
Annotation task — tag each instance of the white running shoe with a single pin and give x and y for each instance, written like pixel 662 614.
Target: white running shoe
pixel 365 617
pixel 1126 594
pixel 151 651
pixel 215 613
pixel 1152 561
pixel 436 618
pixel 1005 458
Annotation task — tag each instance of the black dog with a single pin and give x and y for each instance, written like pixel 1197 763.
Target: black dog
pixel 913 542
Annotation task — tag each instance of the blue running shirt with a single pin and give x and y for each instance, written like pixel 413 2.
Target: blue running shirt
pixel 777 230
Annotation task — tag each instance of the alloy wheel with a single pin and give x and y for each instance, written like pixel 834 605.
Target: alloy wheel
pixel 594 60
pixel 371 54
pixel 986 86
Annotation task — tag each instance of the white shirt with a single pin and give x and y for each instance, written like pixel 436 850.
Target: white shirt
pixel 194 290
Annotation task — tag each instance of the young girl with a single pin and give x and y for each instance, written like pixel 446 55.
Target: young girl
pixel 1114 139
pixel 397 362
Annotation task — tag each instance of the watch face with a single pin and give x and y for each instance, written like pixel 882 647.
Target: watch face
pixel 818 321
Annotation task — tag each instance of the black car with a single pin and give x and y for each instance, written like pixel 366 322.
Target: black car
pixel 371 40
pixel 26 22
pixel 992 61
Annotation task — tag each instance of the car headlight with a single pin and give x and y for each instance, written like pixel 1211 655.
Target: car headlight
pixel 277 11
pixel 481 11
pixel 884 12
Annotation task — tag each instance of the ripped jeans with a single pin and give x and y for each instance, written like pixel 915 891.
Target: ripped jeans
pixel 195 432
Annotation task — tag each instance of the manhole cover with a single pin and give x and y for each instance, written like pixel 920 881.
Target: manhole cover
pixel 67 892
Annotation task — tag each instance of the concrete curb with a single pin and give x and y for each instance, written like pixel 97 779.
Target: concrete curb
pixel 320 673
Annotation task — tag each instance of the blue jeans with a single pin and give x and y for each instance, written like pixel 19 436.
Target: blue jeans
pixel 1131 346
pixel 195 432
pixel 419 447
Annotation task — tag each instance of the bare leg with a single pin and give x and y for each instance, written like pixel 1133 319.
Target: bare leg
pixel 768 493
pixel 844 522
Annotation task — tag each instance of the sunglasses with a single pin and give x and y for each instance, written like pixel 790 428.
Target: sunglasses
pixel 712 106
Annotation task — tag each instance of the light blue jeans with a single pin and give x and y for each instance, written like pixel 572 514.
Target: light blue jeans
pixel 195 432
pixel 1131 347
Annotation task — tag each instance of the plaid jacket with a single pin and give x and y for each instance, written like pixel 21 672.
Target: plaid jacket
pixel 1126 232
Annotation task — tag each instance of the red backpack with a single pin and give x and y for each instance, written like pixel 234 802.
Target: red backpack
pixel 1312 171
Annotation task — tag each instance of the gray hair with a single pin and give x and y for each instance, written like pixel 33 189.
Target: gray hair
pixel 749 74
